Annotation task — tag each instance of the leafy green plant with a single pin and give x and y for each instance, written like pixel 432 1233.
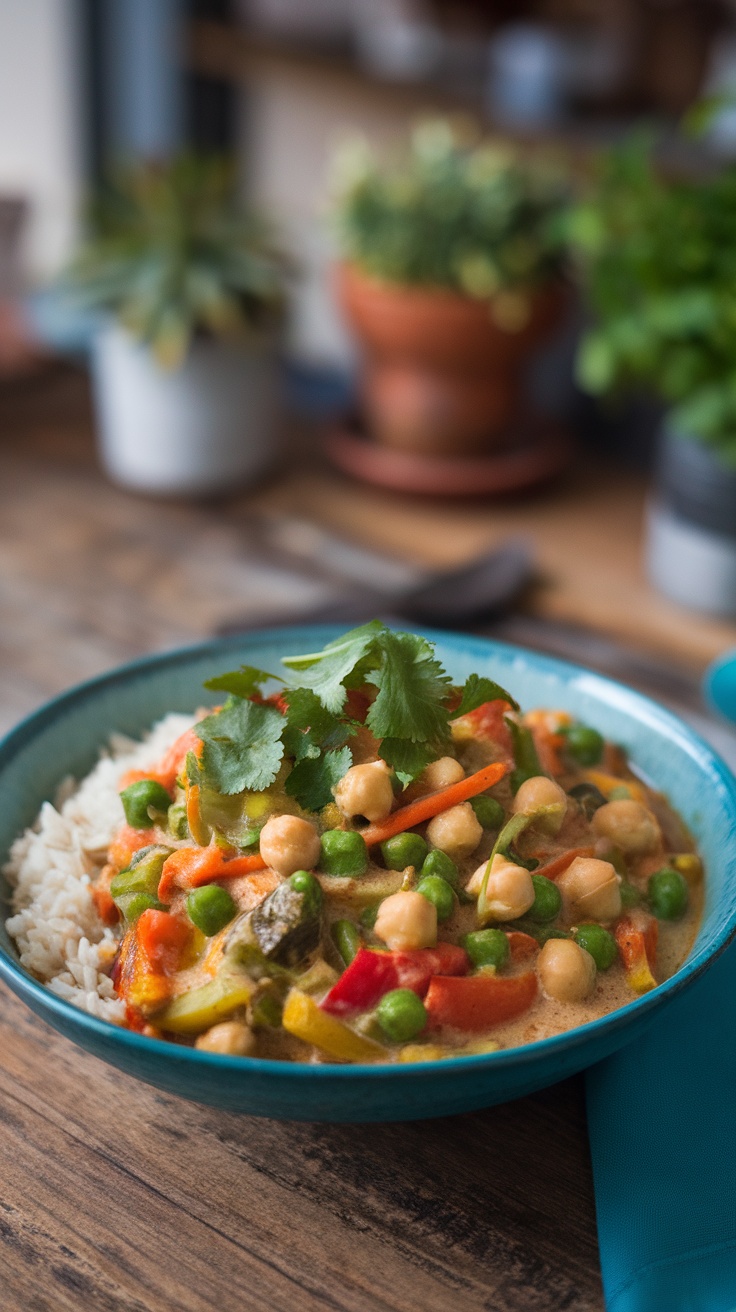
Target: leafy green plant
pixel 471 217
pixel 172 254
pixel 659 257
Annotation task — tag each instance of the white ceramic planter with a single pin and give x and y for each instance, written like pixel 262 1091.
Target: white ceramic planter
pixel 691 527
pixel 208 427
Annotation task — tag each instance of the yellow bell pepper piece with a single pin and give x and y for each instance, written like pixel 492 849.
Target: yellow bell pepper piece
pixel 306 1020
pixel 201 1008
pixel 424 1052
pixel 689 865
pixel 607 782
pixel 640 978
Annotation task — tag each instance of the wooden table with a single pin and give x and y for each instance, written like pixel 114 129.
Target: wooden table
pixel 118 1198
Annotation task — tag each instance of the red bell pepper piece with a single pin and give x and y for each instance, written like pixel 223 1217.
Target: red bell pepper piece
pixel 488 722
pixel 371 974
pixel 637 945
pixel 163 938
pixel 150 953
pixel 477 1003
pixel 554 868
pixel 522 946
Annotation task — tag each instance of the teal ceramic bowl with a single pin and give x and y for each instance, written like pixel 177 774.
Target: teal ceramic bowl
pixel 65 736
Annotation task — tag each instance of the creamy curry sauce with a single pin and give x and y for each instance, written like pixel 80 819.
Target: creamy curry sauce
pixel 352 899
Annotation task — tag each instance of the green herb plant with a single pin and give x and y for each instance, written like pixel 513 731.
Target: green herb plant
pixel 659 257
pixel 172 254
pixel 472 216
pixel 247 743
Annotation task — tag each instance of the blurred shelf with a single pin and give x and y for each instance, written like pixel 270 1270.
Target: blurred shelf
pixel 232 53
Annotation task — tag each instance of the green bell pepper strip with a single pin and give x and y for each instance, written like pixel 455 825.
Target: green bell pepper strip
pixel 525 754
pixel 511 831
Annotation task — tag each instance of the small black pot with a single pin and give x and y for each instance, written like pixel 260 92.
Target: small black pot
pixel 692 526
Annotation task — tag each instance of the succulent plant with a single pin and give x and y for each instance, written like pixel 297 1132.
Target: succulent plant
pixel 172 254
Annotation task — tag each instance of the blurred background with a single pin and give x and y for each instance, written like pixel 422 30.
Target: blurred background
pixel 332 308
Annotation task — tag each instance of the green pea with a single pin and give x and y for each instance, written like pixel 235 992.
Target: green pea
pixel 302 882
pixel 547 900
pixel 599 943
pixel 210 908
pixel 176 821
pixel 401 1015
pixel 439 892
pixel 369 916
pixel 488 812
pixel 583 744
pixel 487 947
pixel 439 863
pixel 630 895
pixel 668 895
pixel 137 798
pixel 404 850
pixel 346 937
pixel 344 853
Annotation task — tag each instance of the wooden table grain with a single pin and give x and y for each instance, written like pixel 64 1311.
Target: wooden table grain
pixel 118 1198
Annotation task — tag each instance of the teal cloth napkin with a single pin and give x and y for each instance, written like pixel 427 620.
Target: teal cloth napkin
pixel 662 1122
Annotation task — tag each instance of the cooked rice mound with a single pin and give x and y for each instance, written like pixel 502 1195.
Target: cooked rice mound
pixel 60 937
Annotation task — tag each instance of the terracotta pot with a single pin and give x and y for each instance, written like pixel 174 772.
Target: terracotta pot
pixel 441 375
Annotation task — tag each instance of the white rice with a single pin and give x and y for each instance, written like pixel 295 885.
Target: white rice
pixel 60 937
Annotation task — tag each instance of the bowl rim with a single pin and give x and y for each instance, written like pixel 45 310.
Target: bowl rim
pixel 33 991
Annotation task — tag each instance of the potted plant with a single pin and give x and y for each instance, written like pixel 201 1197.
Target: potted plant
pixel 659 256
pixel 451 276
pixel 185 365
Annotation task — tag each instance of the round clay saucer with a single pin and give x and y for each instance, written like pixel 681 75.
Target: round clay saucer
pixel 542 448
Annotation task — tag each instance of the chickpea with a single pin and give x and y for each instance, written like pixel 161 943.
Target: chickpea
pixel 406 921
pixel 566 972
pixel 366 790
pixel 439 774
pixel 629 826
pixel 456 832
pixel 509 891
pixel 289 844
pixel 540 792
pixel 232 1038
pixel 592 888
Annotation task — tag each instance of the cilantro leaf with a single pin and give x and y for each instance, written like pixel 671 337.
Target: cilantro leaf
pixel 325 672
pixel 406 759
pixel 478 690
pixel 411 686
pixel 241 683
pixel 242 746
pixel 313 778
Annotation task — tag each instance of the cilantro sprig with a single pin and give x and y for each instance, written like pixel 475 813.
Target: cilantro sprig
pixel 410 714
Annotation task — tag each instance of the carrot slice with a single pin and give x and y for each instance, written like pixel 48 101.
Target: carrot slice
pixel 555 867
pixel 167 770
pixel 475 1003
pixel 126 843
pixel 426 807
pixel 547 740
pixel 189 867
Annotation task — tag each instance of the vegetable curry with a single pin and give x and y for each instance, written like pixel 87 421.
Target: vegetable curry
pixel 372 864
